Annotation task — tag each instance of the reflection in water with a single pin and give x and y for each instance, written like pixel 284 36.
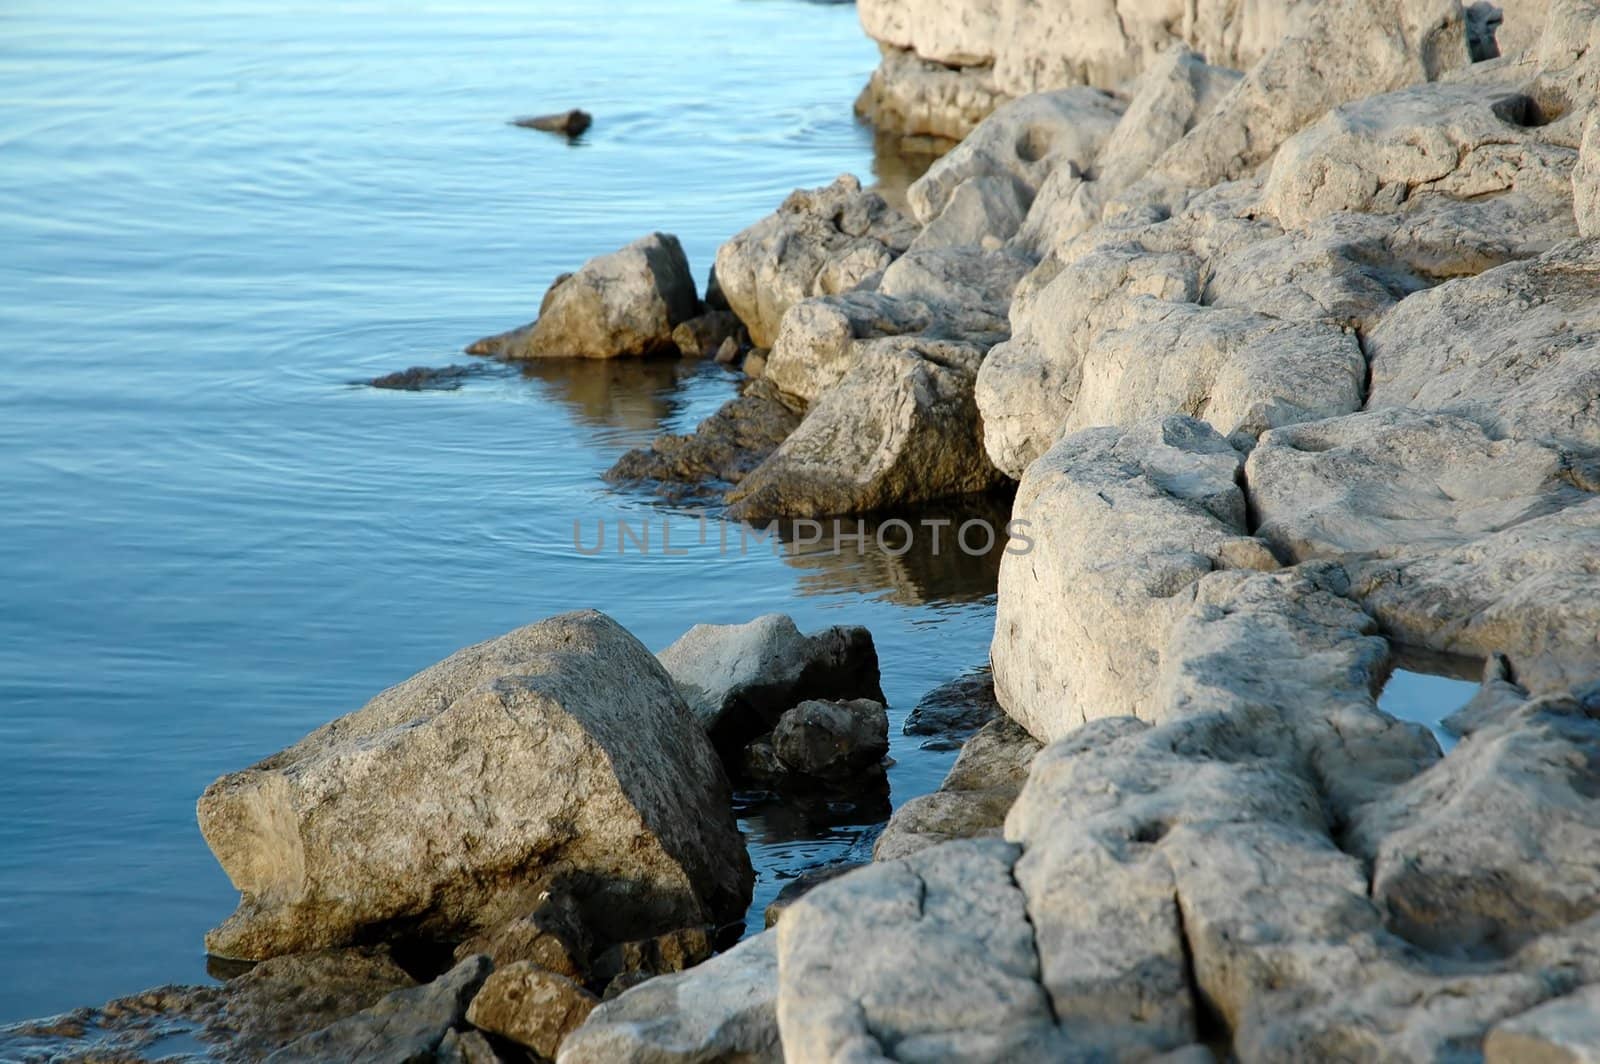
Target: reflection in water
pixel 898 161
pixel 637 394
pixel 1427 686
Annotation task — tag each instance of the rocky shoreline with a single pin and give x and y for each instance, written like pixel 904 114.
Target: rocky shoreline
pixel 1282 322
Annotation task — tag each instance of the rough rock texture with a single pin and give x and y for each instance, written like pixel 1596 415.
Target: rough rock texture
pixel 722 449
pixel 986 211
pixel 953 711
pixel 900 427
pixel 739 678
pixel 1516 348
pixel 552 936
pixel 703 334
pixel 973 799
pixel 1563 1031
pixel 624 303
pixel 1586 180
pixel 832 740
pixel 819 242
pixel 1455 540
pixel 559 755
pixel 406 1026
pixel 1123 522
pixel 1023 141
pixel 724 1009
pixel 530 1006
pixel 913 97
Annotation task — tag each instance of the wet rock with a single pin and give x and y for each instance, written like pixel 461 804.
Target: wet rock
pixel 531 1007
pixel 724 1009
pixel 974 798
pixel 1123 520
pixel 571 123
pixel 552 936
pixel 722 449
pixel 819 242
pixel 739 678
pixel 900 427
pixel 428 378
pixel 1516 349
pixel 954 710
pixel 802 885
pixel 1563 1031
pixel 707 334
pixel 421 814
pixel 408 1025
pixel 623 304
pixel 671 952
pixel 832 740
pixel 1022 141
pixel 932 955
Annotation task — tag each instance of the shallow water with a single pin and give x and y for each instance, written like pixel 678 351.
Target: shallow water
pixel 1426 687
pixel 215 215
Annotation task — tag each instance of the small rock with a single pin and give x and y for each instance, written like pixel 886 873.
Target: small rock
pixel 427 378
pixel 755 364
pixel 727 351
pixel 707 334
pixel 553 936
pixel 531 1007
pixel 571 123
pixel 954 710
pixel 671 952
pixel 831 740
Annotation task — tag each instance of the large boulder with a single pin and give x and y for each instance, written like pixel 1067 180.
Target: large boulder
pixel 1516 349
pixel 901 427
pixel 1122 521
pixel 739 678
pixel 821 241
pixel 558 756
pixel 621 304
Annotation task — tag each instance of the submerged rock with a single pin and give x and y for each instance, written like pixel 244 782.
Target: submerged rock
pixel 571 123
pixel 953 711
pixel 559 756
pixel 739 678
pixel 428 378
pixel 623 304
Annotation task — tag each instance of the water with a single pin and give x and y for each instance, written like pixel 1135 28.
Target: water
pixel 1426 687
pixel 217 213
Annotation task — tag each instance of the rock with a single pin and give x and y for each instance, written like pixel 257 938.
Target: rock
pixel 724 1009
pixel 1033 45
pixel 953 711
pixel 930 956
pixel 623 304
pixel 465 1047
pixel 755 365
pixel 1123 521
pixel 1335 52
pixel 900 427
pixel 722 449
pixel 625 982
pixel 707 334
pixel 552 936
pixel 819 242
pixel 727 352
pixel 1586 181
pixel 1498 695
pixel 982 211
pixel 407 1026
pixel 427 378
pixel 1023 141
pixel 739 678
pixel 557 754
pixel 1177 91
pixel 974 798
pixel 674 951
pixel 1516 349
pixel 1454 540
pixel 1563 1031
pixel 802 885
pixel 832 740
pixel 572 123
pixel 530 1006
pixel 911 96
pixel 1457 140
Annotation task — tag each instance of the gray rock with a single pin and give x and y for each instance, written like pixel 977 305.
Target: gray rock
pixel 465 1047
pixel 423 813
pixel 912 97
pixel 819 242
pixel 900 427
pixel 724 1009
pixel 953 711
pixel 1563 1031
pixel 983 211
pixel 404 1028
pixel 739 678
pixel 832 740
pixel 530 1006
pixel 1586 180
pixel 626 303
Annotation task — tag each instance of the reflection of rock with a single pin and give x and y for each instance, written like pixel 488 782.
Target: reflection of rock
pixel 558 754
pixel 637 395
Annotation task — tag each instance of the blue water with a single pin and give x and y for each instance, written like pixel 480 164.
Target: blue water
pixel 214 215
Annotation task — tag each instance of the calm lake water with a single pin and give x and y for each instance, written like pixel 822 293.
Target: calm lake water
pixel 215 215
